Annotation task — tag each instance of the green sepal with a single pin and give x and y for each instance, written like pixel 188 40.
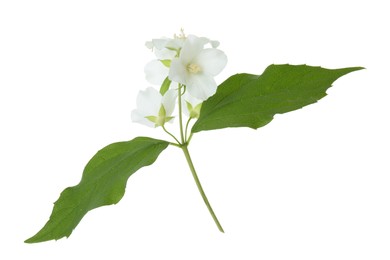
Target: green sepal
pixel 161 119
pixel 189 106
pixel 194 111
pixel 171 48
pixel 166 63
pixel 161 116
pixel 153 119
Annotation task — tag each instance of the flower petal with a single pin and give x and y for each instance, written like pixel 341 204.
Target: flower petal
pixel 164 54
pixel 155 72
pixel 160 43
pixel 204 40
pixel 191 48
pixel 169 101
pixel 201 86
pixel 176 43
pixel 137 117
pixel 212 61
pixel 178 71
pixel 149 45
pixel 149 102
pixel 214 44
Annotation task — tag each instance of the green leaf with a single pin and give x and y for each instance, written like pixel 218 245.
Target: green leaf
pixel 103 183
pixel 165 86
pixel 253 100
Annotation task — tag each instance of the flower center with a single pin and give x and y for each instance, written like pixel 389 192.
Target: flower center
pixel 193 68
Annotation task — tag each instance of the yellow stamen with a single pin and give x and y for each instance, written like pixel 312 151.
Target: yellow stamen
pixel 193 68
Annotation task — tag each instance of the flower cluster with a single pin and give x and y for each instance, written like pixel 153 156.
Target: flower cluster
pixel 184 70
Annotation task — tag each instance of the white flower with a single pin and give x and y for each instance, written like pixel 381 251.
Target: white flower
pixel 196 67
pixel 153 109
pixel 165 49
pixel 168 48
pixel 156 71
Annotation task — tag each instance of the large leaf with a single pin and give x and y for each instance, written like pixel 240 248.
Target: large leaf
pixel 103 183
pixel 252 100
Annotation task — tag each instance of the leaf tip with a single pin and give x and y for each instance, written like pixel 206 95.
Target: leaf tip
pixel 28 241
pixel 360 68
pixel 34 239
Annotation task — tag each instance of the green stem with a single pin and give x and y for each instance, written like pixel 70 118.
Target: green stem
pixel 183 145
pixel 189 138
pixel 186 129
pixel 174 144
pixel 181 115
pixel 166 131
pixel 206 201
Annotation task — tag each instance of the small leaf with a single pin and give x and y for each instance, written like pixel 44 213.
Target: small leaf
pixel 165 86
pixel 252 100
pixel 103 183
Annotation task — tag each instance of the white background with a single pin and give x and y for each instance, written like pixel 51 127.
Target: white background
pixel 313 184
